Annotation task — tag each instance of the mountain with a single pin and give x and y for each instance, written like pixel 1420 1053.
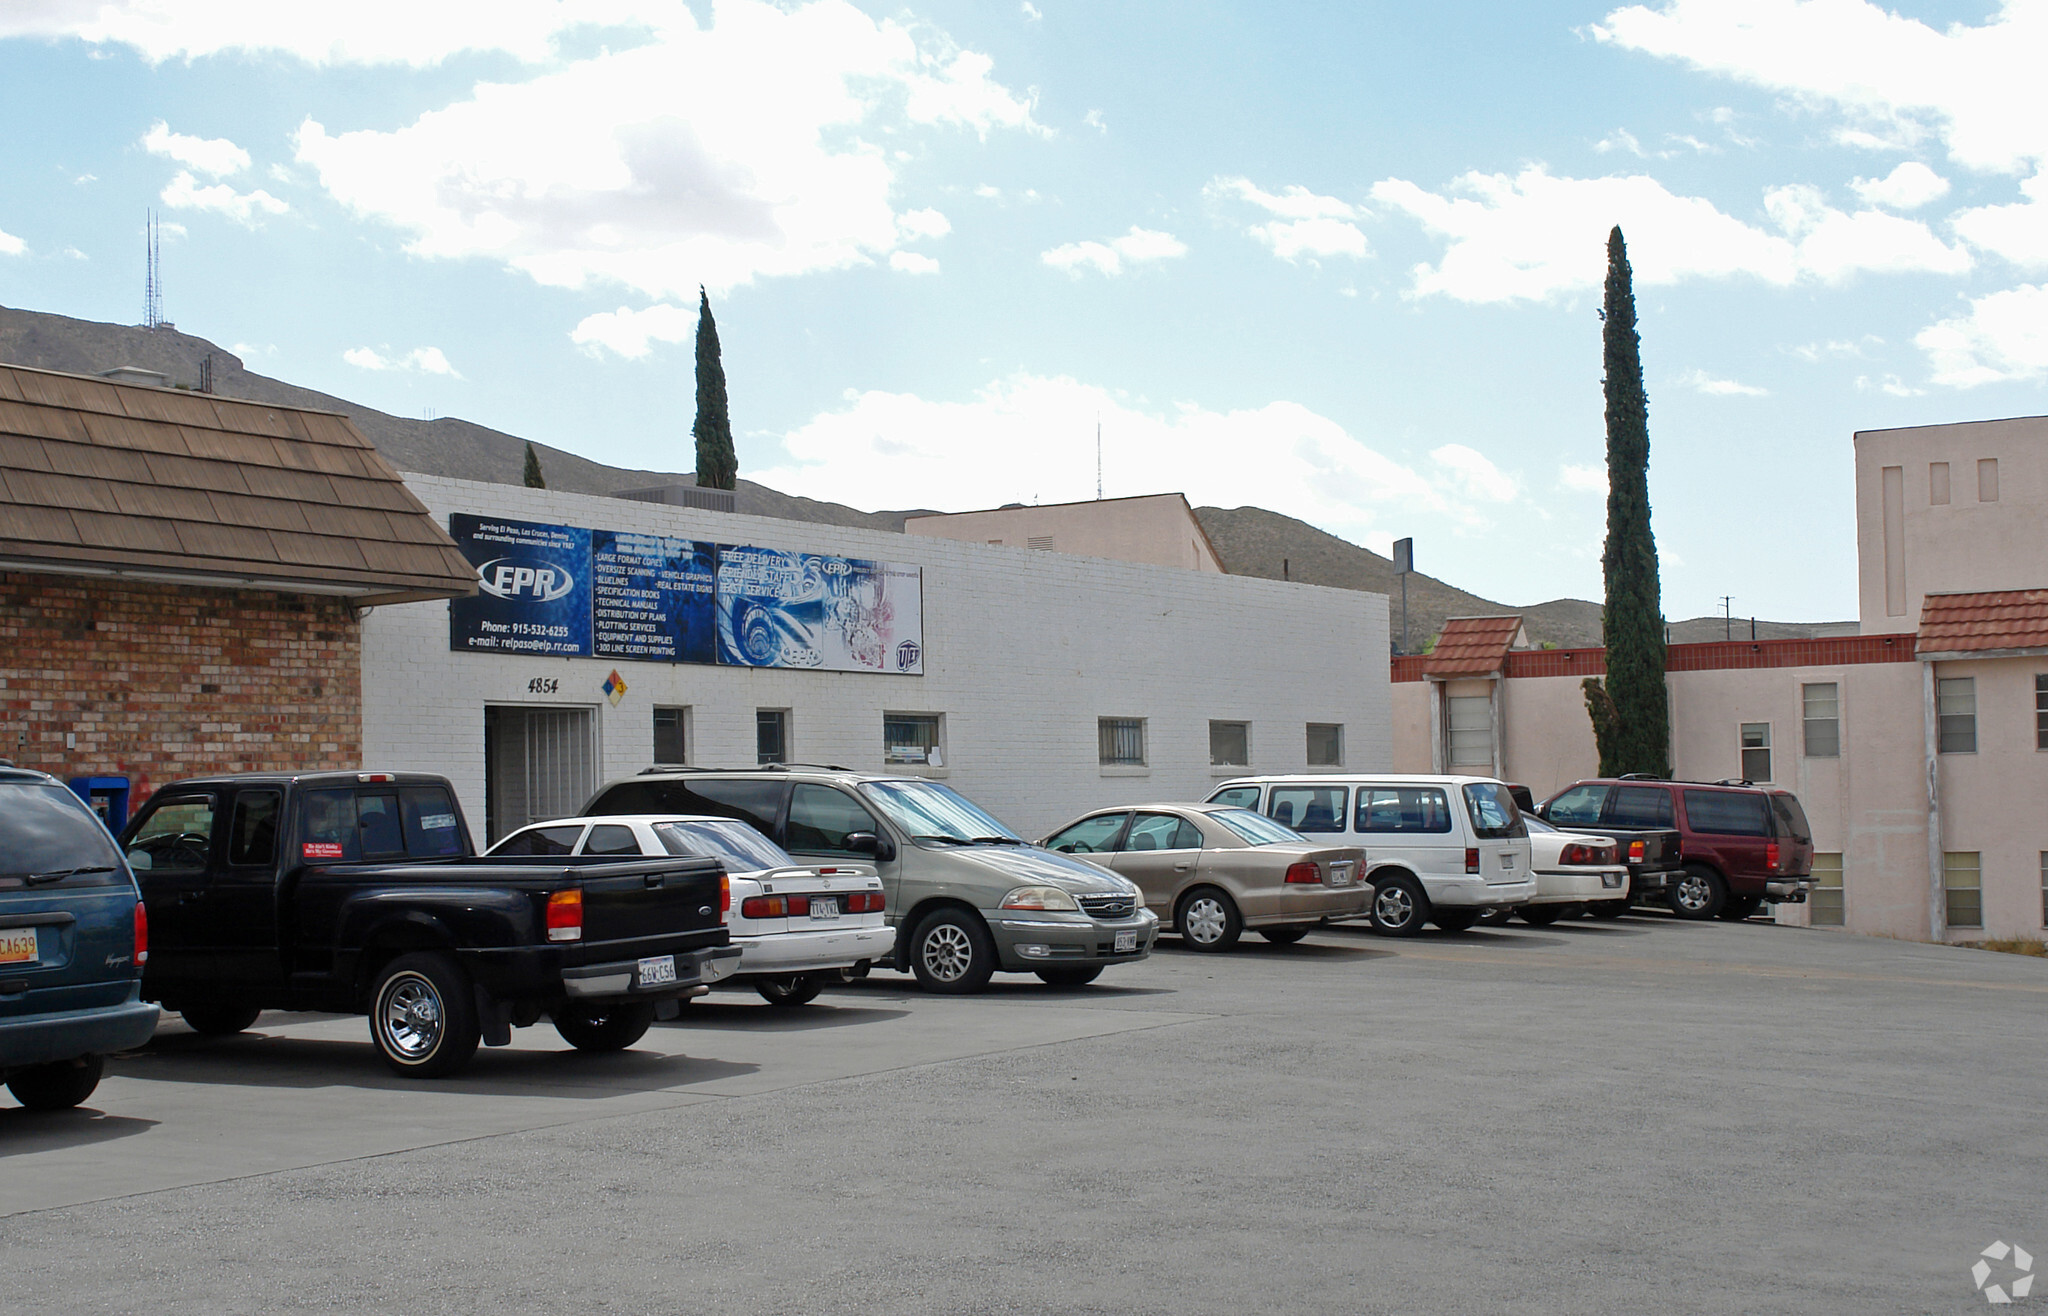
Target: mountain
pixel 1251 540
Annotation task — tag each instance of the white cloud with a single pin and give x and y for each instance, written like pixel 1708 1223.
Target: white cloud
pixel 1702 382
pixel 1304 224
pixel 1908 187
pixel 915 224
pixel 1893 80
pixel 209 155
pixel 1140 246
pixel 1890 384
pixel 1093 119
pixel 185 192
pixel 714 155
pixel 1031 11
pixel 2018 232
pixel 632 333
pixel 1536 235
pixel 911 262
pixel 1624 140
pixel 11 245
pixel 1835 348
pixel 2003 336
pixel 1583 479
pixel 1031 437
pixel 421 360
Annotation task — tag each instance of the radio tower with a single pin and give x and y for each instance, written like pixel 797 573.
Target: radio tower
pixel 153 277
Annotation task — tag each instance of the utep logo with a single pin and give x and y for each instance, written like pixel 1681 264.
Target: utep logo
pixel 519 580
pixel 907 654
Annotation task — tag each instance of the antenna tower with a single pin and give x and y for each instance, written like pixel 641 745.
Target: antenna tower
pixel 1098 458
pixel 153 277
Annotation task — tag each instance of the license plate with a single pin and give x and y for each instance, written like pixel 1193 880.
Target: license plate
pixel 824 907
pixel 1126 942
pixel 1340 874
pixel 657 970
pixel 18 946
pixel 1507 863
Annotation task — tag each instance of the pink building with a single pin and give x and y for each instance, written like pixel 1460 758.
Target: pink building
pixel 1919 747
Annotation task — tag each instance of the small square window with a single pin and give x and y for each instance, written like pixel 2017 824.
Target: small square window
pixel 1121 741
pixel 771 735
pixel 1825 901
pixel 1326 744
pixel 1230 744
pixel 1821 705
pixel 913 738
pixel 1756 751
pixel 1955 700
pixel 671 735
pixel 1962 881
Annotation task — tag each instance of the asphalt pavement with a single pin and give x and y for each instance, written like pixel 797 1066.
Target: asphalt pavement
pixel 1636 1116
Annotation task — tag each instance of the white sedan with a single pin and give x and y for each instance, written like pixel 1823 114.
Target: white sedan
pixel 797 925
pixel 1573 869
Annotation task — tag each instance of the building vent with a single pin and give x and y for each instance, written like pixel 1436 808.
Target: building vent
pixel 684 495
pixel 137 375
pixel 1041 542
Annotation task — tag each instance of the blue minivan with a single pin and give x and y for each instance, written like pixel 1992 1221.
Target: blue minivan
pixel 73 940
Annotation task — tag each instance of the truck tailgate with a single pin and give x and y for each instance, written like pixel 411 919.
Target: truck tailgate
pixel 649 900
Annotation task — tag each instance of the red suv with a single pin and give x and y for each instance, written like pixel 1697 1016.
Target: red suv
pixel 1743 844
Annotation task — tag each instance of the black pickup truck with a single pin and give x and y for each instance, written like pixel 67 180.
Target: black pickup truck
pixel 360 893
pixel 1652 850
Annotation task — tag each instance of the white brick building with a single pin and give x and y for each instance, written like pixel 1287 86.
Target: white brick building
pixel 1024 653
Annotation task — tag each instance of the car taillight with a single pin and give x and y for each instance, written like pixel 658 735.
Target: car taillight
pixel 1303 872
pixel 141 935
pixel 565 916
pixel 1577 854
pixel 864 902
pixel 724 898
pixel 775 907
pixel 1471 858
pixel 1635 852
pixel 1771 856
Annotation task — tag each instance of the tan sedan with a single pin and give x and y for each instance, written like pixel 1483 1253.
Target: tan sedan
pixel 1213 870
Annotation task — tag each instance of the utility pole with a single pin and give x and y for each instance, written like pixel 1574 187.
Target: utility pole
pixel 1727 616
pixel 1098 456
pixel 1404 563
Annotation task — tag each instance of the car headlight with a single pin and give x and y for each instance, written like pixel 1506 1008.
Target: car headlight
pixel 1041 898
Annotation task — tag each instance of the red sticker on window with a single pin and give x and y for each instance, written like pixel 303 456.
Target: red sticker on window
pixel 322 850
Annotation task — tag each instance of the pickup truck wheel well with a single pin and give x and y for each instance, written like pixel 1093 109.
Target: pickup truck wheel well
pixel 387 946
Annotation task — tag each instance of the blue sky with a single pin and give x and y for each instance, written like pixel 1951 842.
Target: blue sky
pixel 1337 260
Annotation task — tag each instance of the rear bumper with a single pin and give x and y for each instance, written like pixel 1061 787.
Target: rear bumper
pixel 798 952
pixel 1307 904
pixel 1790 890
pixel 1651 883
pixel 69 1034
pixel 696 968
pixel 1563 887
pixel 1477 892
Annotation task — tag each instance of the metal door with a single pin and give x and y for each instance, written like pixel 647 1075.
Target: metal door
pixel 539 763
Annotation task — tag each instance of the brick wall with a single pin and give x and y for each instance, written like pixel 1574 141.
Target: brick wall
pixel 158 682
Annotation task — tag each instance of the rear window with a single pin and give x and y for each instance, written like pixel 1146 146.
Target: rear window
pixel 1791 818
pixel 752 801
pixel 1418 809
pixel 1641 806
pixel 1256 828
pixel 44 829
pixel 739 847
pixel 346 825
pixel 1494 815
pixel 431 827
pixel 1242 797
pixel 536 842
pixel 1578 807
pixel 1729 813
pixel 1308 808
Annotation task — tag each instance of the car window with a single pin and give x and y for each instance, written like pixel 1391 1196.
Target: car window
pixel 1161 831
pixel 252 832
pixel 739 847
pixel 925 808
pixel 1535 824
pixel 329 833
pixel 378 827
pixel 751 800
pixel 44 829
pixel 540 841
pixel 1577 807
pixel 1791 818
pixel 1095 835
pixel 822 817
pixel 1308 808
pixel 432 827
pixel 1494 815
pixel 1728 813
pixel 1244 797
pixel 176 837
pixel 1641 806
pixel 611 838
pixel 1256 828
pixel 1424 809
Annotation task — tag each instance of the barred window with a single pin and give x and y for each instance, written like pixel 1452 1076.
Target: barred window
pixel 1121 741
pixel 912 738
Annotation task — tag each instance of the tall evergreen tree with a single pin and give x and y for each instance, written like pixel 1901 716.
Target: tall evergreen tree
pixel 717 465
pixel 533 475
pixel 1633 727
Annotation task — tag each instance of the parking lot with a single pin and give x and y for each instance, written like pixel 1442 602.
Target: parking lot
pixel 1641 1115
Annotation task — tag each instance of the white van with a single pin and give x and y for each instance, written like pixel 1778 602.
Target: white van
pixel 1440 850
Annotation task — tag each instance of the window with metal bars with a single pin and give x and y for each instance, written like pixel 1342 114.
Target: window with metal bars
pixel 1121 741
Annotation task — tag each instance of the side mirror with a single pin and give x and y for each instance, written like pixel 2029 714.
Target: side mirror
pixel 871 845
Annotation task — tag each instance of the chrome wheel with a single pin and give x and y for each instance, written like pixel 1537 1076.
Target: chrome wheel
pixel 410 1017
pixel 1204 921
pixel 947 953
pixel 1393 906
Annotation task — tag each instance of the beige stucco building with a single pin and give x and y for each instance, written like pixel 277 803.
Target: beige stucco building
pixel 1919 747
pixel 1158 529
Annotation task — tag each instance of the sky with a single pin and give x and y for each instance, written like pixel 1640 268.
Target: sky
pixel 1338 260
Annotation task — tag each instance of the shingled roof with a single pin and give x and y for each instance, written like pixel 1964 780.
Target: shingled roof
pixel 1473 646
pixel 1988 625
pixel 105 478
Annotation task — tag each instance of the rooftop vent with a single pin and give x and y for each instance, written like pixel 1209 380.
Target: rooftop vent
pixel 684 495
pixel 137 375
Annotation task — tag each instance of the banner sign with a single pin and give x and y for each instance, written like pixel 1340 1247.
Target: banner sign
pixel 563 591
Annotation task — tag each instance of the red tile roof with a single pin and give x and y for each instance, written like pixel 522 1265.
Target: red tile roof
pixel 1713 656
pixel 1472 646
pixel 2000 621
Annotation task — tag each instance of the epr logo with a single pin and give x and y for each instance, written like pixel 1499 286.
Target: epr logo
pixel 520 580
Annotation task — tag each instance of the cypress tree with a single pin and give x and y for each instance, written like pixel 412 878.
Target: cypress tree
pixel 717 465
pixel 1633 727
pixel 533 475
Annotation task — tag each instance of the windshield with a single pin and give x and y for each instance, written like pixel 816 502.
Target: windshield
pixel 1256 827
pixel 928 811
pixel 44 830
pixel 739 847
pixel 1494 815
